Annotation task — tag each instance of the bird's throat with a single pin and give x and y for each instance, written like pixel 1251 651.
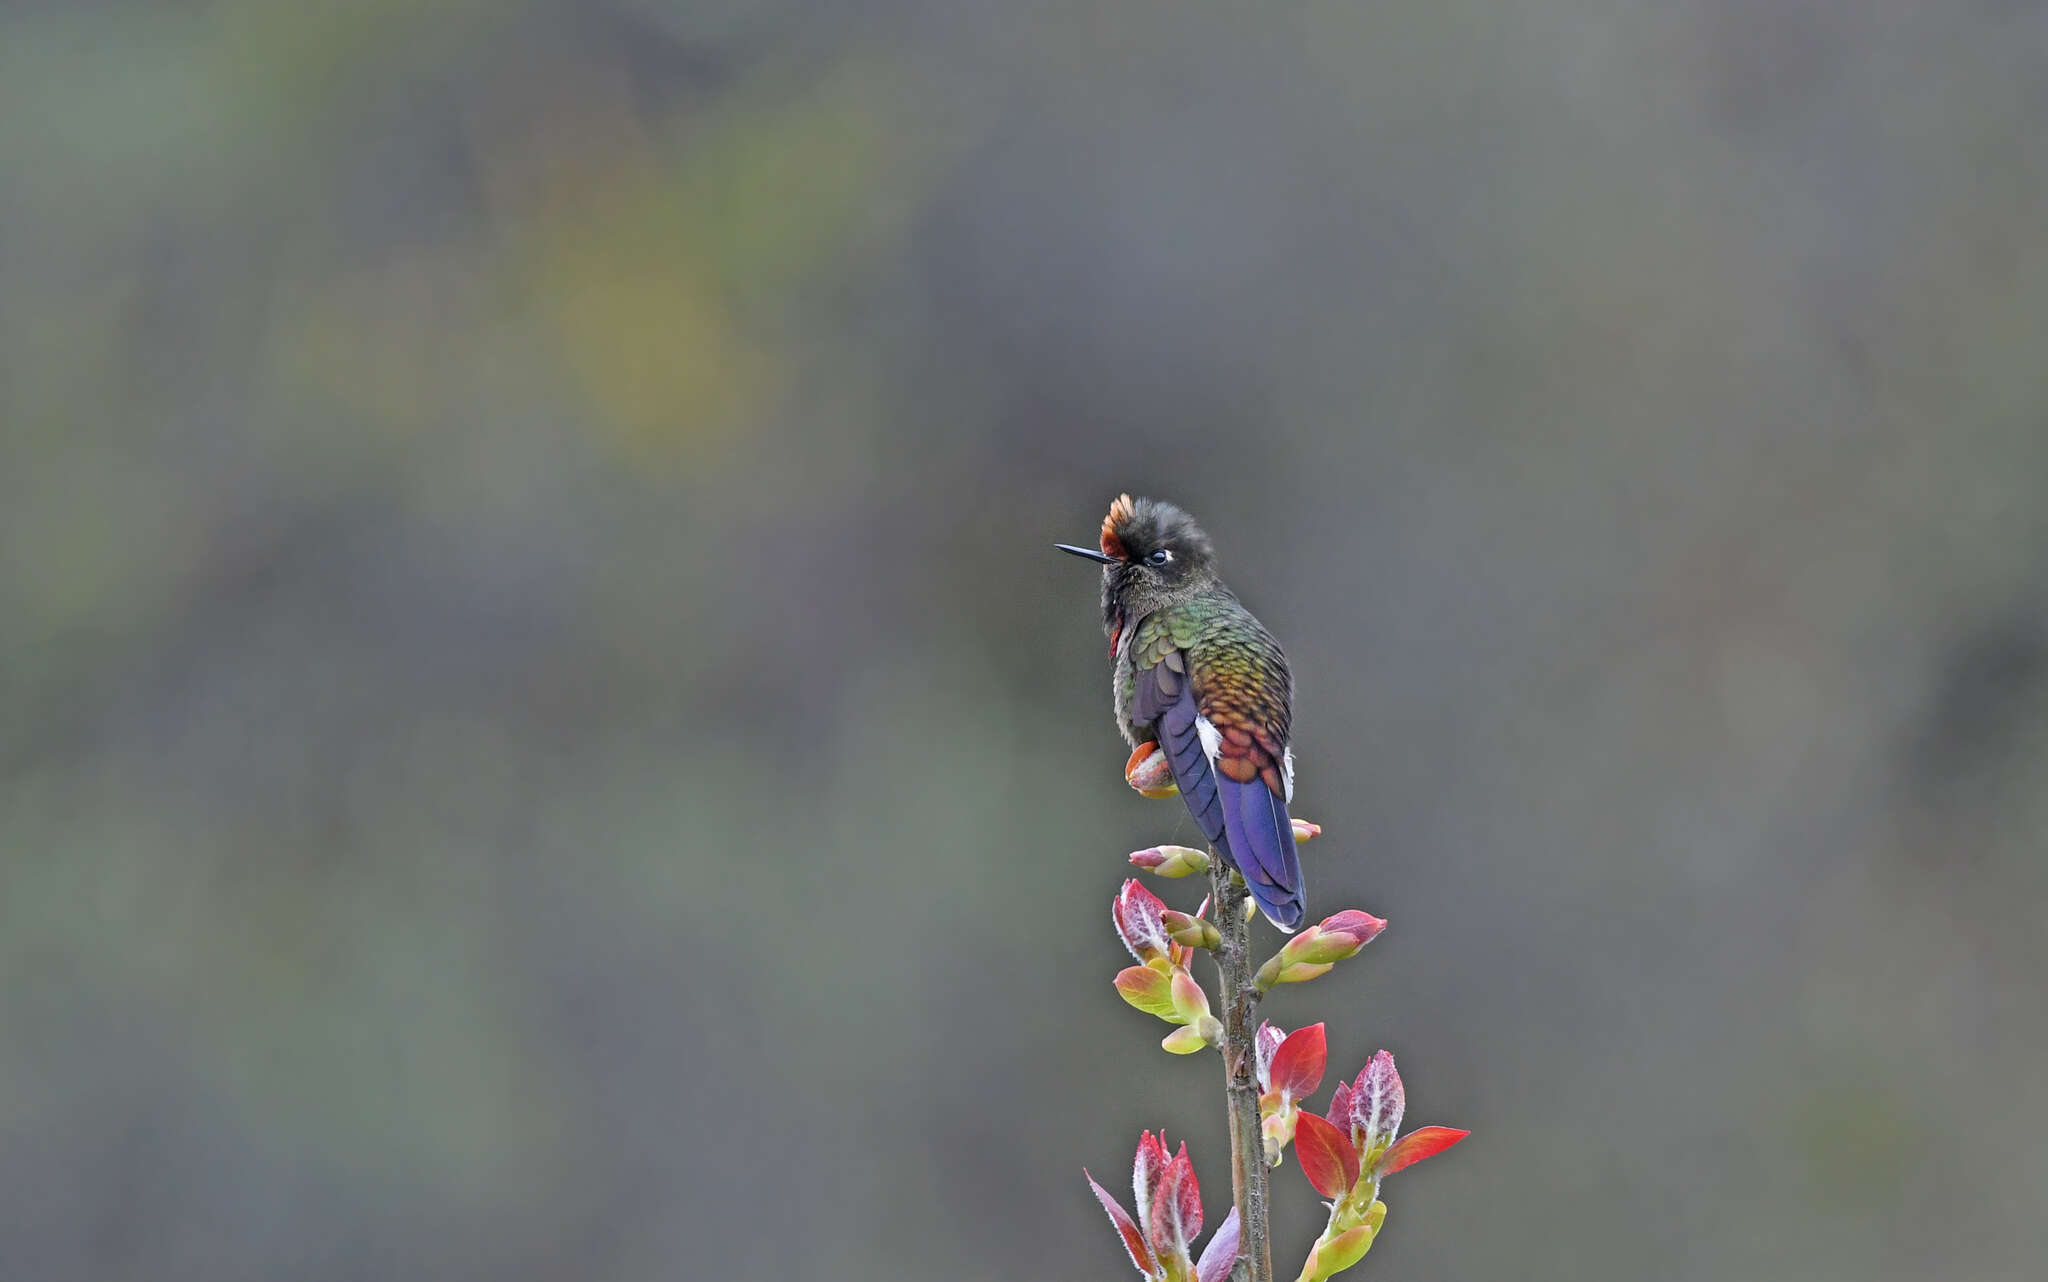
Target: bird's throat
pixel 1116 633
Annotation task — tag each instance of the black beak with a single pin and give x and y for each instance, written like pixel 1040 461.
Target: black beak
pixel 1090 553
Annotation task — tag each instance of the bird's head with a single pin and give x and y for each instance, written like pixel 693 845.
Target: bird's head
pixel 1153 554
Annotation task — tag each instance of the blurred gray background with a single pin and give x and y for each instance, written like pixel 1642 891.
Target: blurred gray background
pixel 541 737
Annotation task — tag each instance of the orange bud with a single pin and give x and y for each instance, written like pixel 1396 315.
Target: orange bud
pixel 1149 772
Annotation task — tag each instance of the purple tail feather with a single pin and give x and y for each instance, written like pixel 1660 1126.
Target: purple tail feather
pixel 1246 822
pixel 1262 847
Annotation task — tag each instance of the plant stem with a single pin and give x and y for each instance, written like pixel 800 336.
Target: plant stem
pixel 1240 999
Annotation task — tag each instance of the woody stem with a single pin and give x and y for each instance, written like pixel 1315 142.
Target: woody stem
pixel 1240 999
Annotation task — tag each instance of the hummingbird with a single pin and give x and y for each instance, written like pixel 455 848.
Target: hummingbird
pixel 1202 679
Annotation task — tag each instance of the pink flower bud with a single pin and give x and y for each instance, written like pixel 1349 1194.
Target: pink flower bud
pixel 1360 925
pixel 1377 1102
pixel 1171 861
pixel 1135 915
pixel 1334 938
pixel 1342 936
pixel 1305 831
pixel 1321 946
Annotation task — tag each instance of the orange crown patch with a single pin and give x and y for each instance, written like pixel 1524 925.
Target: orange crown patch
pixel 1120 514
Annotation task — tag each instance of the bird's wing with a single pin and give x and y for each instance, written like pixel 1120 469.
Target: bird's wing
pixel 1223 722
pixel 1163 698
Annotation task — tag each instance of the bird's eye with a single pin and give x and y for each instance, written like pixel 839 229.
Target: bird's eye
pixel 1160 557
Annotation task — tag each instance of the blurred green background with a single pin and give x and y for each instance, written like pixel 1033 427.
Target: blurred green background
pixel 541 737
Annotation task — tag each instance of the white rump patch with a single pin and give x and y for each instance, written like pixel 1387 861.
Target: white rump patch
pixel 1287 772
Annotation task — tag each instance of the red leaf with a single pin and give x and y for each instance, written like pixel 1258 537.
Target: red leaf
pixel 1326 1156
pixel 1146 1170
pixel 1298 1064
pixel 1135 914
pixel 1426 1141
pixel 1169 1225
pixel 1134 1241
pixel 1340 1107
pixel 1187 1198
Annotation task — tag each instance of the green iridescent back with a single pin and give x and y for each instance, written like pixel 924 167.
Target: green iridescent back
pixel 1238 673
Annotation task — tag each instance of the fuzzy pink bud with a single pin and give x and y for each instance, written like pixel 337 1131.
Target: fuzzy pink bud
pixel 1171 861
pixel 1377 1101
pixel 1135 915
pixel 1313 951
